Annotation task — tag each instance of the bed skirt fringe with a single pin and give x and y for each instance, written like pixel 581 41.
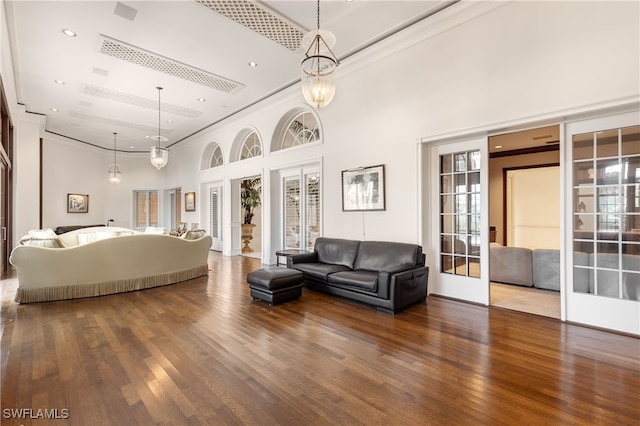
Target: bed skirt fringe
pixel 77 291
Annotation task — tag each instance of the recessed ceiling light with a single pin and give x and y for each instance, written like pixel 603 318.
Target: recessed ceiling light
pixel 498 146
pixel 131 147
pixel 69 32
pixel 54 109
pixel 58 81
pixel 202 100
pixel 253 64
pixel 169 121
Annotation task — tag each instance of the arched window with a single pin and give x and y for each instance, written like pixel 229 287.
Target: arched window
pixel 247 144
pixel 217 159
pixel 297 127
pixel 251 147
pixel 212 156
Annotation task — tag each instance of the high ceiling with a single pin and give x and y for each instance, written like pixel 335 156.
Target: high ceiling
pixel 198 51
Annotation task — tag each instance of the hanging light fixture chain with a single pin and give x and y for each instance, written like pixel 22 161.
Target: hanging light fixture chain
pixel 318 15
pixel 159 106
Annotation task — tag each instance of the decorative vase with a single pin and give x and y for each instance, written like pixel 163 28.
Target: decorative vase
pixel 247 236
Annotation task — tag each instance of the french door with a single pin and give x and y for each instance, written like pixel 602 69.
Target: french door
pixel 459 220
pixel 602 238
pixel 301 208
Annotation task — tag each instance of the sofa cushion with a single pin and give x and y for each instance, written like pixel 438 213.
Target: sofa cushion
pixel 546 269
pixel 155 230
pixel 367 280
pixel 86 238
pixel 42 233
pixel 41 242
pixel 382 255
pixel 193 234
pixel 336 251
pixel 511 265
pixel 319 271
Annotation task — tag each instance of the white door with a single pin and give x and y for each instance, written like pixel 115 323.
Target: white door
pixel 602 239
pixel 215 214
pixel 460 229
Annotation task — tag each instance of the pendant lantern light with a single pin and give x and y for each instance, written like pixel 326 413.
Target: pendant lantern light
pixel 115 175
pixel 319 66
pixel 159 155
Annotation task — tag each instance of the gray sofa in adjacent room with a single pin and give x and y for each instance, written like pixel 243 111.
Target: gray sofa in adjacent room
pixel 539 268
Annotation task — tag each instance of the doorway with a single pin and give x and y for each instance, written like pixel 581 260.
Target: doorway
pixel 250 213
pixel 524 259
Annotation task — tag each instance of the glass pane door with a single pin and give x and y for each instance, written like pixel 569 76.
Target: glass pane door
pixel 292 219
pixel 312 210
pixel 302 209
pixel 460 213
pixel 605 214
pixel 460 230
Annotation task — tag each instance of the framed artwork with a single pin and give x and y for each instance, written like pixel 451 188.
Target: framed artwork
pixel 77 203
pixel 363 189
pixel 190 202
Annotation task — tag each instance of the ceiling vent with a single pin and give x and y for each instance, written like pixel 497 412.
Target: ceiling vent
pixel 124 11
pixel 252 16
pixel 116 123
pixel 138 56
pixel 126 98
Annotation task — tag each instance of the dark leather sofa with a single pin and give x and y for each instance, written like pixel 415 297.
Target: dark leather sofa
pixel 388 275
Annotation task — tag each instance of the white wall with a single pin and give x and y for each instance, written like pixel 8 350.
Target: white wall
pixel 497 183
pixel 26 172
pixel 70 167
pixel 500 66
pixel 493 64
pixel 533 206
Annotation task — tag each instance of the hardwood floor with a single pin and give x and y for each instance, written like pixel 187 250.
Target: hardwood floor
pixel 202 352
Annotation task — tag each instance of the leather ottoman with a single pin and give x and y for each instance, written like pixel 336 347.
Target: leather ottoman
pixel 275 285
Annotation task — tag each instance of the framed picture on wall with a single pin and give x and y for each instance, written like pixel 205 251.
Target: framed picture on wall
pixel 77 203
pixel 363 189
pixel 190 202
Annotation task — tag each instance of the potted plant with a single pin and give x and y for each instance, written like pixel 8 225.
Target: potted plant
pixel 250 191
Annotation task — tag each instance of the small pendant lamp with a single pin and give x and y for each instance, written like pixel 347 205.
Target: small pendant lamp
pixel 115 175
pixel 159 155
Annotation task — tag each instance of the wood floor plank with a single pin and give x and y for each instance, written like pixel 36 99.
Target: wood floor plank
pixel 203 352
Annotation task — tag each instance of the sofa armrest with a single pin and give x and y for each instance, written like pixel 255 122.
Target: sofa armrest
pixel 408 287
pixel 385 278
pixel 311 257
